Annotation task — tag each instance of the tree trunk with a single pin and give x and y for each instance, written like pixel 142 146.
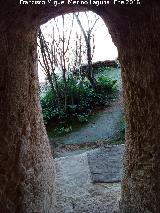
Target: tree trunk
pixel 90 74
pixel 27 167
pixel 65 89
pixel 49 68
pixel 87 37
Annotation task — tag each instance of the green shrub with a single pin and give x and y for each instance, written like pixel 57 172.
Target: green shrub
pixel 81 99
pixel 107 85
pixel 60 131
pixel 102 70
pixel 48 107
pixel 82 118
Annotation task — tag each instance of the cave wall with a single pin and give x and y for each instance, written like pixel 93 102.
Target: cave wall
pixel 27 167
pixel 141 81
pixel 26 164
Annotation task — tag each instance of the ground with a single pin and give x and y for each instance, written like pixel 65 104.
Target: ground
pixel 102 126
pixel 88 170
pixel 77 192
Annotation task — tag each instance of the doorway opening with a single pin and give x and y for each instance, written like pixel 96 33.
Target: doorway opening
pixel 81 99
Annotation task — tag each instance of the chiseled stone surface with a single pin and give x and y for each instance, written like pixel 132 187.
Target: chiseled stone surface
pixel 106 164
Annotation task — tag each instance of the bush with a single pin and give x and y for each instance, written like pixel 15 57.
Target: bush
pixel 102 70
pixel 81 99
pixel 83 118
pixel 107 85
pixel 48 108
pixel 60 131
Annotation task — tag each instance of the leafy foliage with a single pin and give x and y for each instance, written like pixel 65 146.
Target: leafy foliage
pixel 81 99
pixel 62 130
pixel 107 85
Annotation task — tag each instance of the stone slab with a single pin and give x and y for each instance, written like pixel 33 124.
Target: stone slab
pixel 106 164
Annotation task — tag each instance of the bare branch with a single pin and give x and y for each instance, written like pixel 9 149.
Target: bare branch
pixel 70 35
pixel 90 31
pixel 80 24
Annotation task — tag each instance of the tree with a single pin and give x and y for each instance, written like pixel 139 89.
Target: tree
pixel 87 37
pixel 48 64
pixel 55 55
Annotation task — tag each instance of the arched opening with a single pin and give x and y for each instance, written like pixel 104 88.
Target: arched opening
pixel 27 167
pixel 89 159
